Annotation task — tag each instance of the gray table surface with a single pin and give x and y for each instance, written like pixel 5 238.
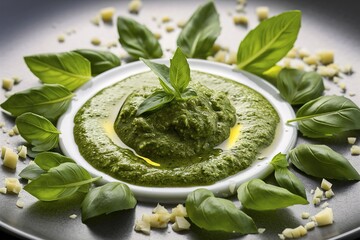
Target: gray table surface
pixel 30 27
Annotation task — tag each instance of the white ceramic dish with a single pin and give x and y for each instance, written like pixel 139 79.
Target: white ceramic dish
pixel 284 140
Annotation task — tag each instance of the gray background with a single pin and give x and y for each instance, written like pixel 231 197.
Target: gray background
pixel 30 27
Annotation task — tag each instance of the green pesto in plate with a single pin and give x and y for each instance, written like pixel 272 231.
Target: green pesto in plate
pixel 198 152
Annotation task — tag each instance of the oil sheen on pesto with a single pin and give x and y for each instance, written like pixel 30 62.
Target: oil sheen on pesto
pixel 179 165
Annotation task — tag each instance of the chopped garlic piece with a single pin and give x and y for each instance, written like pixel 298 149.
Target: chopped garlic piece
pixel 180 224
pixel 73 216
pixel 310 225
pixel 305 215
pixel 95 20
pixel 347 69
pixel 355 150
pixel 61 38
pixel 292 53
pixel 316 201
pixel 142 226
pixel 166 19
pixel 329 193
pixel 11 133
pixel 95 41
pixel 324 217
pixel 342 86
pixel 318 193
pixel 294 232
pixel 10 159
pixel 311 60
pixel 336 79
pixel 261 230
pixel 7 83
pixel 325 184
pixel 241 20
pixel 159 220
pixel 16 130
pixel 178 211
pixel 107 14
pixel 181 23
pixel 169 28
pixel 20 203
pixel 324 205
pixel 326 56
pixel 13 185
pixel 312 191
pixel 326 71
pixel 134 6
pixel 160 209
pixel 3 190
pixel 2 124
pixel 262 13
pixel 157 35
pixel 17 80
pixel 220 56
pixel 304 53
pixel 281 236
pixel 232 58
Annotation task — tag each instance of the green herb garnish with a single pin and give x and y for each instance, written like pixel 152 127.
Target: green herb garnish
pixel 326 116
pixel 299 87
pixel 48 100
pixel 322 162
pixel 257 195
pixel 285 178
pixel 106 199
pixel 69 69
pixel 137 39
pixel 217 214
pixel 269 42
pixel 31 172
pixel 100 61
pixel 38 131
pixel 200 32
pixel 174 81
pixel 48 160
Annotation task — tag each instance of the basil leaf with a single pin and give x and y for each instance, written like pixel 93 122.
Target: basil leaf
pixel 31 172
pixel 48 100
pixel 38 131
pixel 217 214
pixel 59 182
pixel 163 72
pixel 137 39
pixel 326 116
pixel 68 69
pixel 100 61
pixel 299 87
pixel 48 160
pixel 155 101
pixel 106 199
pixel 279 161
pixel 188 93
pixel 286 178
pixel 200 32
pixel 179 72
pixel 269 42
pixel 257 195
pixel 322 162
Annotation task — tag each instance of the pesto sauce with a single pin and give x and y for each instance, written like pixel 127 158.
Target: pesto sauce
pixel 100 146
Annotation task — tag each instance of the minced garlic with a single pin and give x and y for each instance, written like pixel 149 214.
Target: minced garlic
pixel 262 13
pixel 107 14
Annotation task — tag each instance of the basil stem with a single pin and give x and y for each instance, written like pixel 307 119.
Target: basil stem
pixel 322 162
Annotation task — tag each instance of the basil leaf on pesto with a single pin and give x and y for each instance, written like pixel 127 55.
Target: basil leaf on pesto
pixel 106 199
pixel 60 182
pixel 299 87
pixel 322 162
pixel 48 100
pixel 31 172
pixel 100 61
pixel 217 214
pixel 285 178
pixel 327 116
pixel 174 81
pixel 38 131
pixel 269 42
pixel 48 160
pixel 155 101
pixel 257 195
pixel 69 69
pixel 200 32
pixel 137 39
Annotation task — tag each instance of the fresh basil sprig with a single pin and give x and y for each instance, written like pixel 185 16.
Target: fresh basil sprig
pixel 48 100
pixel 106 199
pixel 200 32
pixel 285 178
pixel 322 162
pixel 137 39
pixel 257 195
pixel 60 182
pixel 100 61
pixel 269 42
pixel 69 69
pixel 299 87
pixel 327 116
pixel 174 81
pixel 38 131
pixel 48 160
pixel 217 214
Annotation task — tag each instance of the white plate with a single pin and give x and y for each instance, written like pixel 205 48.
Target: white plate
pixel 284 140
